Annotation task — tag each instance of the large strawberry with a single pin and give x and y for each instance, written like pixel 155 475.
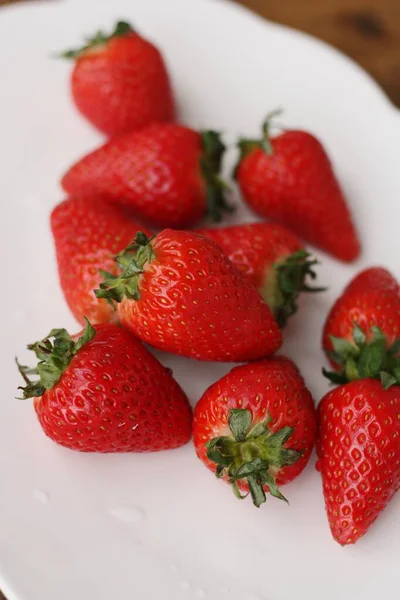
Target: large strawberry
pixel 103 391
pixel 120 82
pixel 168 174
pixel 371 299
pixel 289 178
pixel 359 438
pixel 256 427
pixel 180 293
pixel 87 234
pixel 272 258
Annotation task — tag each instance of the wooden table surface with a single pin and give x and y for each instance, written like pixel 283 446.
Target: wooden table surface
pixel 366 30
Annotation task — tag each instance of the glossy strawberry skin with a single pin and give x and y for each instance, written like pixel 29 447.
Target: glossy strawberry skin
pixel 297 187
pixel 122 85
pixel 194 302
pixel 359 454
pixel 255 247
pixel 273 387
pixel 372 299
pixel 154 171
pixel 115 397
pixel 87 234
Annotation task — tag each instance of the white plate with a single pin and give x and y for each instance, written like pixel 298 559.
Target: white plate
pixel 87 527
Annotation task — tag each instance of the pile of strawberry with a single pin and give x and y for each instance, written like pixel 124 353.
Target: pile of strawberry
pixel 212 294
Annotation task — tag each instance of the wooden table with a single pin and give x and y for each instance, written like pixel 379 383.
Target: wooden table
pixel 366 30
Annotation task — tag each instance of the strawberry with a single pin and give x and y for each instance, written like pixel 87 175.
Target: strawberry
pixel 168 174
pixel 372 299
pixel 289 178
pixel 87 234
pixel 103 391
pixel 120 82
pixel 359 430
pixel 359 454
pixel 256 427
pixel 272 258
pixel 180 293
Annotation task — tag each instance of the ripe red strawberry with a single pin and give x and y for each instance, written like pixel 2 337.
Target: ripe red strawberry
pixel 256 427
pixel 272 258
pixel 359 438
pixel 359 454
pixel 372 299
pixel 168 174
pixel 120 82
pixel 87 234
pixel 180 293
pixel 289 178
pixel 104 392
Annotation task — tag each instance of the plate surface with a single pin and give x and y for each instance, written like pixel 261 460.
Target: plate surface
pixel 83 527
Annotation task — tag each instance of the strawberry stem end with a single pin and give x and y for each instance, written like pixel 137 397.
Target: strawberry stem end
pixel 210 166
pixel 122 28
pixel 131 262
pixel 54 357
pixel 362 358
pixel 253 454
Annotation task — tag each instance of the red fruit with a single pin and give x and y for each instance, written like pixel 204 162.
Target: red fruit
pixel 120 82
pixel 272 258
pixel 359 454
pixel 88 234
pixel 166 173
pixel 290 179
pixel 104 392
pixel 256 427
pixel 372 299
pixel 180 293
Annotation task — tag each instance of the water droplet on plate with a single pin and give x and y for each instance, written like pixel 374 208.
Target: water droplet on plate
pixel 41 496
pixel 174 567
pixel 200 593
pixel 128 514
pixel 225 590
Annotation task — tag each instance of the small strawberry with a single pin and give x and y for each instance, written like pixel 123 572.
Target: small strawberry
pixel 372 299
pixel 104 392
pixel 120 82
pixel 168 174
pixel 289 178
pixel 180 293
pixel 256 427
pixel 359 438
pixel 87 234
pixel 272 258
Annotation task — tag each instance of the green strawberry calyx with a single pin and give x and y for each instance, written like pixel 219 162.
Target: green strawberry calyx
pixel 364 358
pixel 253 454
pixel 131 262
pixel 210 167
pixel 248 145
pixel 286 281
pixel 97 41
pixel 54 353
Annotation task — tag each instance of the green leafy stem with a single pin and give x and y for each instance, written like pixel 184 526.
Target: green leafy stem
pixel 253 454
pixel 362 358
pixel 131 262
pixel 100 38
pixel 54 353
pixel 292 275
